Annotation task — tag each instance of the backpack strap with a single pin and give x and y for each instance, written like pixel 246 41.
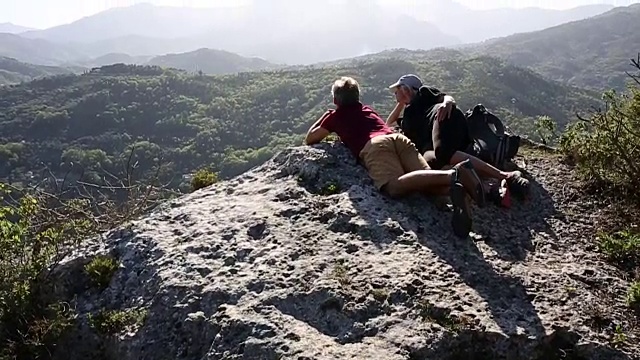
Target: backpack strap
pixel 497 123
pixel 478 109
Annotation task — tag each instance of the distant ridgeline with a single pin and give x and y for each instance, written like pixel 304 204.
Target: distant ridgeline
pixel 86 126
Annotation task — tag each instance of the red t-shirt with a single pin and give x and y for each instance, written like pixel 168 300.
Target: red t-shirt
pixel 355 125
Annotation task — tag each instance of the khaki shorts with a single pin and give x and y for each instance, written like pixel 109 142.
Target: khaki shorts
pixel 388 157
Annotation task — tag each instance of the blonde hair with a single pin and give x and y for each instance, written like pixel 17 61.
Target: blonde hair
pixel 345 91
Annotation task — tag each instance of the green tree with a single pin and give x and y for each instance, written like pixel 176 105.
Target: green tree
pixel 37 230
pixel 32 238
pixel 545 129
pixel 606 145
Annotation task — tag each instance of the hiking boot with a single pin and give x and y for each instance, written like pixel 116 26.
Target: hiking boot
pixel 461 220
pixel 518 185
pixel 466 175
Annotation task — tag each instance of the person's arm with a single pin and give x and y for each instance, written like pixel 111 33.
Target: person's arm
pixel 395 114
pixel 444 111
pixel 316 132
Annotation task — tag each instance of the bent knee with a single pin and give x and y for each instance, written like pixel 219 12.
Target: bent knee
pixel 443 155
pixel 437 162
pixel 393 189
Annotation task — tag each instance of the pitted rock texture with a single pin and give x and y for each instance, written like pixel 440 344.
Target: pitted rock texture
pixel 301 258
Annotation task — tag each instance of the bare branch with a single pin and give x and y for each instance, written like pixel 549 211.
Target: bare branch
pixel 636 64
pixel 110 174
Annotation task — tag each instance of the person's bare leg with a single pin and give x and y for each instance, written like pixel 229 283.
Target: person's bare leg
pixel 515 181
pixel 438 191
pixel 420 181
pixel 482 168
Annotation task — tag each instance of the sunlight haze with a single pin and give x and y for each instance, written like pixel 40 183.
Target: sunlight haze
pixel 43 14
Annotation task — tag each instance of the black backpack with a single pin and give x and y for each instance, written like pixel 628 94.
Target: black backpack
pixel 495 147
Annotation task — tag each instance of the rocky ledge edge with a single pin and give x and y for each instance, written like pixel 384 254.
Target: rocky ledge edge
pixel 301 258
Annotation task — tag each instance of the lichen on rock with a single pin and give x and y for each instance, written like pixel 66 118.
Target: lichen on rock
pixel 301 258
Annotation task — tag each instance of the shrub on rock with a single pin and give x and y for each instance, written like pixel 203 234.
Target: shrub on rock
pixel 203 178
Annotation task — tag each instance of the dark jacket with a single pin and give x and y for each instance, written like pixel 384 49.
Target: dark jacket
pixel 418 124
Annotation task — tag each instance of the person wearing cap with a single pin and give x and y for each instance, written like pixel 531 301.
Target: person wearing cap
pixel 391 159
pixel 438 128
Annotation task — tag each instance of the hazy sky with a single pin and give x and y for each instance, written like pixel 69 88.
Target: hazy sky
pixel 46 13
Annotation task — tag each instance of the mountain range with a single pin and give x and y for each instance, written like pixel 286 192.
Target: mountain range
pixel 298 32
pixel 12 28
pixel 471 26
pixel 593 52
pixel 207 61
pixel 212 62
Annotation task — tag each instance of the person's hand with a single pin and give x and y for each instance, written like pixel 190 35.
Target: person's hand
pixel 444 111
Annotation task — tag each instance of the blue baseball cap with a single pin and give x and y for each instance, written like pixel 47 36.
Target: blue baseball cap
pixel 409 80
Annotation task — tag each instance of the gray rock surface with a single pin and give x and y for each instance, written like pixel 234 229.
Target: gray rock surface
pixel 279 264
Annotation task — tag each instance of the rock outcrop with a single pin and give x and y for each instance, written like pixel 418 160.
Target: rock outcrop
pixel 301 258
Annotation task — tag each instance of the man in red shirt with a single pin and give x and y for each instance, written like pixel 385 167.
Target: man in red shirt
pixel 391 159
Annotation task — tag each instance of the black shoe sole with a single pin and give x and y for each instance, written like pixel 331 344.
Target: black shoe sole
pixel 461 220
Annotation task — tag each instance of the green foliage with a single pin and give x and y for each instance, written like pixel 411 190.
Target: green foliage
pixel 35 232
pixel 380 294
pixel 619 336
pixel 203 178
pixel 606 146
pixel 330 189
pixel 100 270
pixel 622 247
pixel 633 297
pixel 10 155
pixel 113 322
pixel 545 129
pixel 88 159
pixel 340 273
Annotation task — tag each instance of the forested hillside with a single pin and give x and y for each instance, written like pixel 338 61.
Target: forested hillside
pixel 594 52
pixel 211 61
pixel 13 71
pixel 87 124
